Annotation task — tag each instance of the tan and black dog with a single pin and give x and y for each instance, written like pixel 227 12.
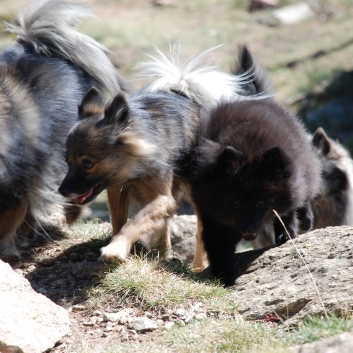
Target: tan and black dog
pixel 140 148
pixel 43 79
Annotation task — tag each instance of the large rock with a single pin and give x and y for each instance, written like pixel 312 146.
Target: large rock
pixel 279 281
pixel 293 14
pixel 29 322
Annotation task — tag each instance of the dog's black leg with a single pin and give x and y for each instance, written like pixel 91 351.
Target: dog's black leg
pixel 220 243
pixel 306 218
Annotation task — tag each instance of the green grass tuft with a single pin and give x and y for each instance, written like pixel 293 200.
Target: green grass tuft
pixel 158 285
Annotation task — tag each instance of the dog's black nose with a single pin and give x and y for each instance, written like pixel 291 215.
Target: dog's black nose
pixel 249 228
pixel 63 191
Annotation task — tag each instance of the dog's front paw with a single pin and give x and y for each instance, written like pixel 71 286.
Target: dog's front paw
pixel 115 252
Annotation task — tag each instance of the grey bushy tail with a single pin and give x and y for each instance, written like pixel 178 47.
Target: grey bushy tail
pixel 198 78
pixel 50 27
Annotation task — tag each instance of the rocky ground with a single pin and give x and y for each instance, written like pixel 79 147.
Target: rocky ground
pixel 65 269
pixel 312 277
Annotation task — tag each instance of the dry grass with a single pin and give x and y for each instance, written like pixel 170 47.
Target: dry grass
pixel 132 28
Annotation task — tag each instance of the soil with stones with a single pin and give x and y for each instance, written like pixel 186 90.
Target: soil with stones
pixel 65 268
pixel 277 282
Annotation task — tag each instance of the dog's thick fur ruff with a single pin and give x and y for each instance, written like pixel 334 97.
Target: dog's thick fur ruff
pixel 140 148
pixel 42 81
pixel 254 157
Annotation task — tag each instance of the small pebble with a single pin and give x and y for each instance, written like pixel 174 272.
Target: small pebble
pixel 29 276
pixel 73 257
pixel 47 262
pixel 148 314
pixel 180 312
pixel 78 307
pixel 200 316
pixel 169 325
pixel 10 258
pixel 42 291
pixel 61 282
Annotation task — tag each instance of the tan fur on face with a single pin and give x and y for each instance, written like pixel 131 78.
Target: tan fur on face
pixel 92 108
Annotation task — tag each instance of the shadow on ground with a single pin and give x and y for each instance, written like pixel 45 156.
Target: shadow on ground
pixel 330 106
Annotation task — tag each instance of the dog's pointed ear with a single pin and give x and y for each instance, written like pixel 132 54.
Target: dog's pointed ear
pixel 321 141
pixel 245 60
pixel 231 159
pixel 117 111
pixel 256 80
pixel 92 103
pixel 274 160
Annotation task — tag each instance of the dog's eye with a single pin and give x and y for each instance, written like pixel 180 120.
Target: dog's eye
pixel 87 164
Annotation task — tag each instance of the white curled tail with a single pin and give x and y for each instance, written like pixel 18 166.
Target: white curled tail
pixel 198 78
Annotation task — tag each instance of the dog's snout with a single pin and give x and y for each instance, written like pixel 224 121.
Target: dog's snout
pixel 249 228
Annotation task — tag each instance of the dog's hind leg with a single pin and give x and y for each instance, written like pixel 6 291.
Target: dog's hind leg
pixel 27 227
pixel 118 199
pixel 10 221
pixel 150 225
pixel 200 258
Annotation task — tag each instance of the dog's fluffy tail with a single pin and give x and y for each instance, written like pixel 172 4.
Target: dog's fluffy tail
pixel 199 78
pixel 50 27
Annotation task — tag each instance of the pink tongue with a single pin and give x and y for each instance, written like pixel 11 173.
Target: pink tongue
pixel 80 199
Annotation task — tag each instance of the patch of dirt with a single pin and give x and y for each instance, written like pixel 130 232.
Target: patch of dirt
pixel 64 270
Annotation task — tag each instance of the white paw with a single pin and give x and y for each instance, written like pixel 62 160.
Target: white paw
pixel 199 266
pixel 117 251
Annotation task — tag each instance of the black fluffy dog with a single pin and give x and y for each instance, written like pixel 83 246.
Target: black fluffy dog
pixel 254 157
